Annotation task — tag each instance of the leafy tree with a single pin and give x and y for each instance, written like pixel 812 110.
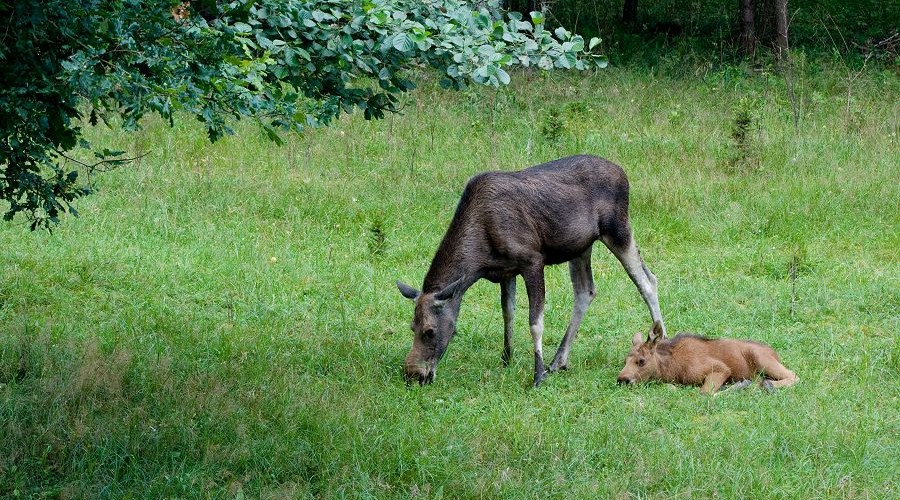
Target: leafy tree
pixel 288 64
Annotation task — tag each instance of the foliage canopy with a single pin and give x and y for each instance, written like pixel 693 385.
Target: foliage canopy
pixel 288 64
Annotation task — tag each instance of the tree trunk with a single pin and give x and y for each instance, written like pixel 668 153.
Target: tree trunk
pixel 781 28
pixel 629 12
pixel 748 27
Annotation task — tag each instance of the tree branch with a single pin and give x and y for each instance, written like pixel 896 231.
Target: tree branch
pixel 93 167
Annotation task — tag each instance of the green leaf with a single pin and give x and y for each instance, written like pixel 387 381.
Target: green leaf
pixel 480 75
pixel 545 63
pixel 487 50
pixel 403 42
pixel 320 16
pixel 272 135
pixel 577 43
pixel 503 76
pixel 566 61
pixel 537 17
pixel 593 43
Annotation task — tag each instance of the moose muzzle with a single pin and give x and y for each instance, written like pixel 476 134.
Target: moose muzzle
pixel 419 372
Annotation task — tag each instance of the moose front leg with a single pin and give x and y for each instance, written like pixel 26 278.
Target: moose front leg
pixel 534 284
pixel 628 254
pixel 508 303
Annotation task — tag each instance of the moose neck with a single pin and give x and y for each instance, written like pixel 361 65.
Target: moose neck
pixel 451 262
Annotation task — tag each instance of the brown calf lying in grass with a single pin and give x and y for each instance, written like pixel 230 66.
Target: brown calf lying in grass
pixel 692 360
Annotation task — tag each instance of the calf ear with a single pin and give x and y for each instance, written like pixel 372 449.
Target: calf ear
pixel 638 339
pixel 407 291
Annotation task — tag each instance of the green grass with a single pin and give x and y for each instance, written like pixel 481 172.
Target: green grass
pixel 221 321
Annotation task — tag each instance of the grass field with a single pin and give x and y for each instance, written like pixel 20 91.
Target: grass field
pixel 222 320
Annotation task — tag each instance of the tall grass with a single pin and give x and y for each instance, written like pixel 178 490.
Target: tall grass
pixel 221 321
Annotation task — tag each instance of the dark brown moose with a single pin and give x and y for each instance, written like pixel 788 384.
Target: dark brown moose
pixel 515 223
pixel 692 360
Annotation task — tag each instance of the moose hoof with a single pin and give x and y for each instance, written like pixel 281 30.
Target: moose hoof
pixel 558 368
pixel 768 386
pixel 538 378
pixel 506 357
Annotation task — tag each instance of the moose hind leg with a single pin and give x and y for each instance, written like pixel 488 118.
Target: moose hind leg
pixel 508 303
pixel 583 286
pixel 645 281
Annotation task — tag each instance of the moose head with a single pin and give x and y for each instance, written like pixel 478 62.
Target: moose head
pixel 433 326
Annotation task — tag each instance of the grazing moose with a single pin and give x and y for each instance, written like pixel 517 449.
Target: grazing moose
pixel 515 223
pixel 693 360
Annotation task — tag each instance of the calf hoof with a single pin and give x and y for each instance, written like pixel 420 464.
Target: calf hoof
pixel 767 386
pixel 538 378
pixel 740 385
pixel 506 357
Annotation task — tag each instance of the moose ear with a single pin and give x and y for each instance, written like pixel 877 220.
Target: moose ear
pixel 408 291
pixel 448 292
pixel 656 332
pixel 638 339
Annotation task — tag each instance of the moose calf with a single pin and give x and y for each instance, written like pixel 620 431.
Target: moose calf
pixel 692 360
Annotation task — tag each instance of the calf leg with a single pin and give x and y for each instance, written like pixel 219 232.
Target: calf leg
pixel 508 303
pixel 583 286
pixel 645 281
pixel 534 284
pixel 715 379
pixel 779 375
pixel 743 384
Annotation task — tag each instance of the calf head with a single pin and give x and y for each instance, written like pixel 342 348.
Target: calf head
pixel 642 362
pixel 433 325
